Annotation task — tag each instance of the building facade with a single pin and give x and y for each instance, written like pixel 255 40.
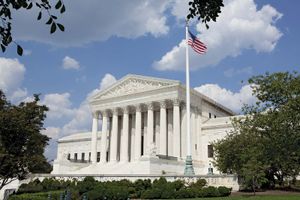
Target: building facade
pixel 139 127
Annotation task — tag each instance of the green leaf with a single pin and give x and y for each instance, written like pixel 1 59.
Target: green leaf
pixel 39 16
pixel 19 50
pixel 53 28
pixel 63 9
pixel 49 21
pixel 61 27
pixel 3 48
pixel 58 4
pixel 29 6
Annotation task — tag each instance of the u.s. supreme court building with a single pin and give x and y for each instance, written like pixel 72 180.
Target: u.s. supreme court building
pixel 139 127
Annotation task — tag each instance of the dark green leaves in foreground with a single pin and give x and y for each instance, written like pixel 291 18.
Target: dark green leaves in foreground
pixel 264 146
pixel 205 10
pixel 43 7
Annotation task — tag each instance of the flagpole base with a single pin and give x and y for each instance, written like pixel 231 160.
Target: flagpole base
pixel 189 169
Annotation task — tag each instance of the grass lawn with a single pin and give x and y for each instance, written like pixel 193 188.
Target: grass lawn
pixel 273 195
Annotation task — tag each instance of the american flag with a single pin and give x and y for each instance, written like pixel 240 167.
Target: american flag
pixel 196 44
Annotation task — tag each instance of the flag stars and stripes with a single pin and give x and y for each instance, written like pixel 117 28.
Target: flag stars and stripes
pixel 196 44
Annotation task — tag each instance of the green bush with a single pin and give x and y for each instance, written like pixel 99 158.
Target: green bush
pixel 184 193
pixel 154 193
pixel 209 191
pixel 200 183
pixel 37 196
pixel 224 191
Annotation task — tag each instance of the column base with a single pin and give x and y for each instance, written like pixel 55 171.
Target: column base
pixel 189 169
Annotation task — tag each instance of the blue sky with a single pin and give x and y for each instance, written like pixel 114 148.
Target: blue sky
pixel 104 42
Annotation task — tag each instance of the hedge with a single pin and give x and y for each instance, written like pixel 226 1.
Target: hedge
pixel 91 189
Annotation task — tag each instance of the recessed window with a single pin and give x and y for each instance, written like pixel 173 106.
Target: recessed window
pixel 210 151
pixel 215 116
pixel 82 156
pixel 69 156
pixel 75 156
pixel 209 115
pixel 89 156
pixel 195 146
pixel 98 156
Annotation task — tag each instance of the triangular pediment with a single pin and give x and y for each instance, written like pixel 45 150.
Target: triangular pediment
pixel 132 84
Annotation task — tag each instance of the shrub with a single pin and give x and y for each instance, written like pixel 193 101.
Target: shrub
pixel 224 191
pixel 199 184
pixel 184 193
pixel 209 191
pixel 154 193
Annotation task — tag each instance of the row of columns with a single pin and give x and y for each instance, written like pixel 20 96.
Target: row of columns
pixel 124 139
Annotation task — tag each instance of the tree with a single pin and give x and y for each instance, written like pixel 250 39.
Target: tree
pixel 21 143
pixel 266 141
pixel 205 10
pixel 43 6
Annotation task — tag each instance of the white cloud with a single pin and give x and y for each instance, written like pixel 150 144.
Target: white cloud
pixel 59 105
pixel 240 26
pixel 95 20
pixel 232 100
pixel 70 63
pixel 11 77
pixel 81 117
pixel 52 132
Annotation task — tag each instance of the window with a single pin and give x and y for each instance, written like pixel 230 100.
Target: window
pixel 209 115
pixel 98 156
pixel 195 146
pixel 210 151
pixel 82 156
pixel 75 156
pixel 69 156
pixel 89 156
pixel 215 116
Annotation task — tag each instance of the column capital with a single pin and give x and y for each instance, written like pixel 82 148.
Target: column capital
pixel 95 114
pixel 176 102
pixel 125 109
pixel 150 106
pixel 163 104
pixel 104 113
pixel 138 107
pixel 115 111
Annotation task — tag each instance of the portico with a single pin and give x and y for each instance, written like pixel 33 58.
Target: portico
pixel 139 127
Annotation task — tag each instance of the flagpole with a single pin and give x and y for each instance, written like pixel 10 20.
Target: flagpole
pixel 189 169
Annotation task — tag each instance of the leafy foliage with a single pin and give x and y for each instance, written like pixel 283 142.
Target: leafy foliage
pixel 205 10
pixel 264 147
pixel 21 143
pixel 123 189
pixel 43 6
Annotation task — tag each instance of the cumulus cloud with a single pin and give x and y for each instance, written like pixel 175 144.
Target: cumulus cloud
pixel 59 105
pixel 81 117
pixel 70 63
pixel 52 132
pixel 232 100
pixel 11 77
pixel 95 21
pixel 240 26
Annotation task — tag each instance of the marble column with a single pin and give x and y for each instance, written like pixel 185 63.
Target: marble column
pixel 125 136
pixel 176 128
pixel 114 136
pixel 150 130
pixel 104 137
pixel 138 133
pixel 94 137
pixel 163 129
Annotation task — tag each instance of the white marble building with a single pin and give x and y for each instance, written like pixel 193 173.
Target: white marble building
pixel 139 127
